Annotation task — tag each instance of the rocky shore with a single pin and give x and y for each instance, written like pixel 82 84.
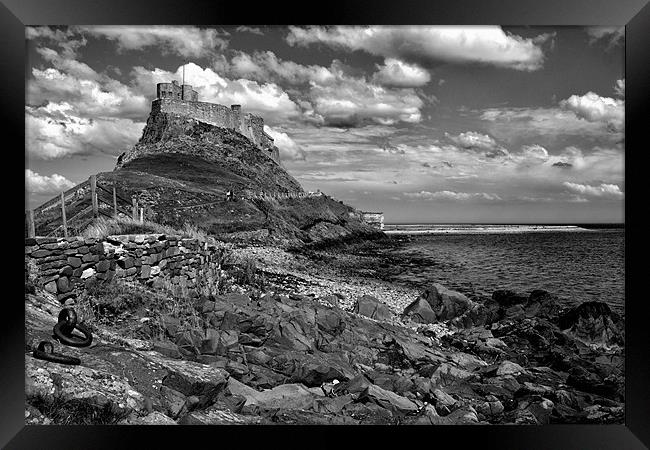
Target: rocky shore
pixel 320 339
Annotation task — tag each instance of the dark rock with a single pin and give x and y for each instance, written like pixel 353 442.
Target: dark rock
pixel 103 265
pixel 593 323
pixel 74 261
pixel 507 298
pixel 420 311
pixel 388 400
pixel 371 307
pixel 543 304
pixel 445 303
pixel 167 349
pixel 63 285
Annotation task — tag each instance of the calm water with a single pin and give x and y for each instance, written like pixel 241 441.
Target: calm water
pixel 575 265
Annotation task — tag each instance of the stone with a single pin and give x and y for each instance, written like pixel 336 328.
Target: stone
pixel 447 374
pixel 509 368
pixel 420 311
pixel 41 253
pixel 88 257
pixel 285 396
pixel 145 271
pixel 507 298
pixel 172 400
pixel 167 348
pixel 125 262
pixel 89 272
pixel 369 306
pixel 74 261
pixel 593 323
pixel 543 304
pixel 388 400
pixel 103 265
pixel 63 285
pixel 445 303
pixel 51 287
pixel 66 271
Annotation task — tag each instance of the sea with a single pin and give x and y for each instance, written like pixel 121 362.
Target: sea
pixel 577 263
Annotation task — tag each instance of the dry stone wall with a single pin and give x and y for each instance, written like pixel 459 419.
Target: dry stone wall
pixel 63 265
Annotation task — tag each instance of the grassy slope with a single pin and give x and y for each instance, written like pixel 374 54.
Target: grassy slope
pixel 186 167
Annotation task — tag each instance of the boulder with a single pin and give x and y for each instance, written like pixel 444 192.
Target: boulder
pixel 507 298
pixel 371 307
pixel 593 323
pixel 509 368
pixel 388 400
pixel 543 304
pixel 285 396
pixel 445 303
pixel 420 311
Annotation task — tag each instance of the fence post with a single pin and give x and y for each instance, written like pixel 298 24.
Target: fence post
pixel 63 218
pixel 135 208
pixel 114 202
pixel 30 223
pixel 93 194
pixel 141 215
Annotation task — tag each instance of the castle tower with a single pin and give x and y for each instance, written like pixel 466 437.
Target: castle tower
pixel 189 94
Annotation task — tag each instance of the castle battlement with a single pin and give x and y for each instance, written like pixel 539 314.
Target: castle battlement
pixel 183 100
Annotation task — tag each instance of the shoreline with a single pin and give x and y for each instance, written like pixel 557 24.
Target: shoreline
pixel 489 229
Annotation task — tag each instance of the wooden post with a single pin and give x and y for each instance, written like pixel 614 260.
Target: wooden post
pixel 135 208
pixel 141 215
pixel 30 223
pixel 63 219
pixel 114 202
pixel 93 194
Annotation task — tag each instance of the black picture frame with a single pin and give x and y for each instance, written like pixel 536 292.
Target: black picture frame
pixel 633 14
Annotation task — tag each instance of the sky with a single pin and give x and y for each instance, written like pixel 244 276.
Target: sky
pixel 437 124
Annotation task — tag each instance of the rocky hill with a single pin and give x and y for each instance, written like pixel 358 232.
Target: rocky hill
pixel 181 169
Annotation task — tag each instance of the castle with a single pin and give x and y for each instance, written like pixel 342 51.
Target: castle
pixel 183 100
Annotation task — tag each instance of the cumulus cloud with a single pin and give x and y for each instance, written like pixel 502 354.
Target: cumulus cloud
pixel 91 97
pixel 534 154
pixel 40 184
pixel 267 66
pixel 333 97
pixel 353 102
pixel 289 149
pixel 185 41
pixel 473 140
pixel 55 131
pixel 603 190
pixel 451 195
pixel 429 44
pixel 594 108
pixel 268 99
pixel 400 74
pixel 580 115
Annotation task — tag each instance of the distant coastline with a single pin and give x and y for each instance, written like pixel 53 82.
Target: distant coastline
pixel 431 228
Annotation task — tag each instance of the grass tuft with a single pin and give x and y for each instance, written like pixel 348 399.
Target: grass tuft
pixel 64 411
pixel 103 227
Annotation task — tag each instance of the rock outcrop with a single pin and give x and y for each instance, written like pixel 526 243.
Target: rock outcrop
pixel 251 359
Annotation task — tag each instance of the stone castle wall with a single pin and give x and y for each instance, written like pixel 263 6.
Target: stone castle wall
pixel 248 125
pixel 62 265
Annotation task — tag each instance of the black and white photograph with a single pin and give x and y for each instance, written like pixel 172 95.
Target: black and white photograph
pixel 324 225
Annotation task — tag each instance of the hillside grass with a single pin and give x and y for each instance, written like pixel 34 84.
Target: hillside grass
pixel 103 227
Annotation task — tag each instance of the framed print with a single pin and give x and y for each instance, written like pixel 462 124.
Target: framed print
pixel 408 214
